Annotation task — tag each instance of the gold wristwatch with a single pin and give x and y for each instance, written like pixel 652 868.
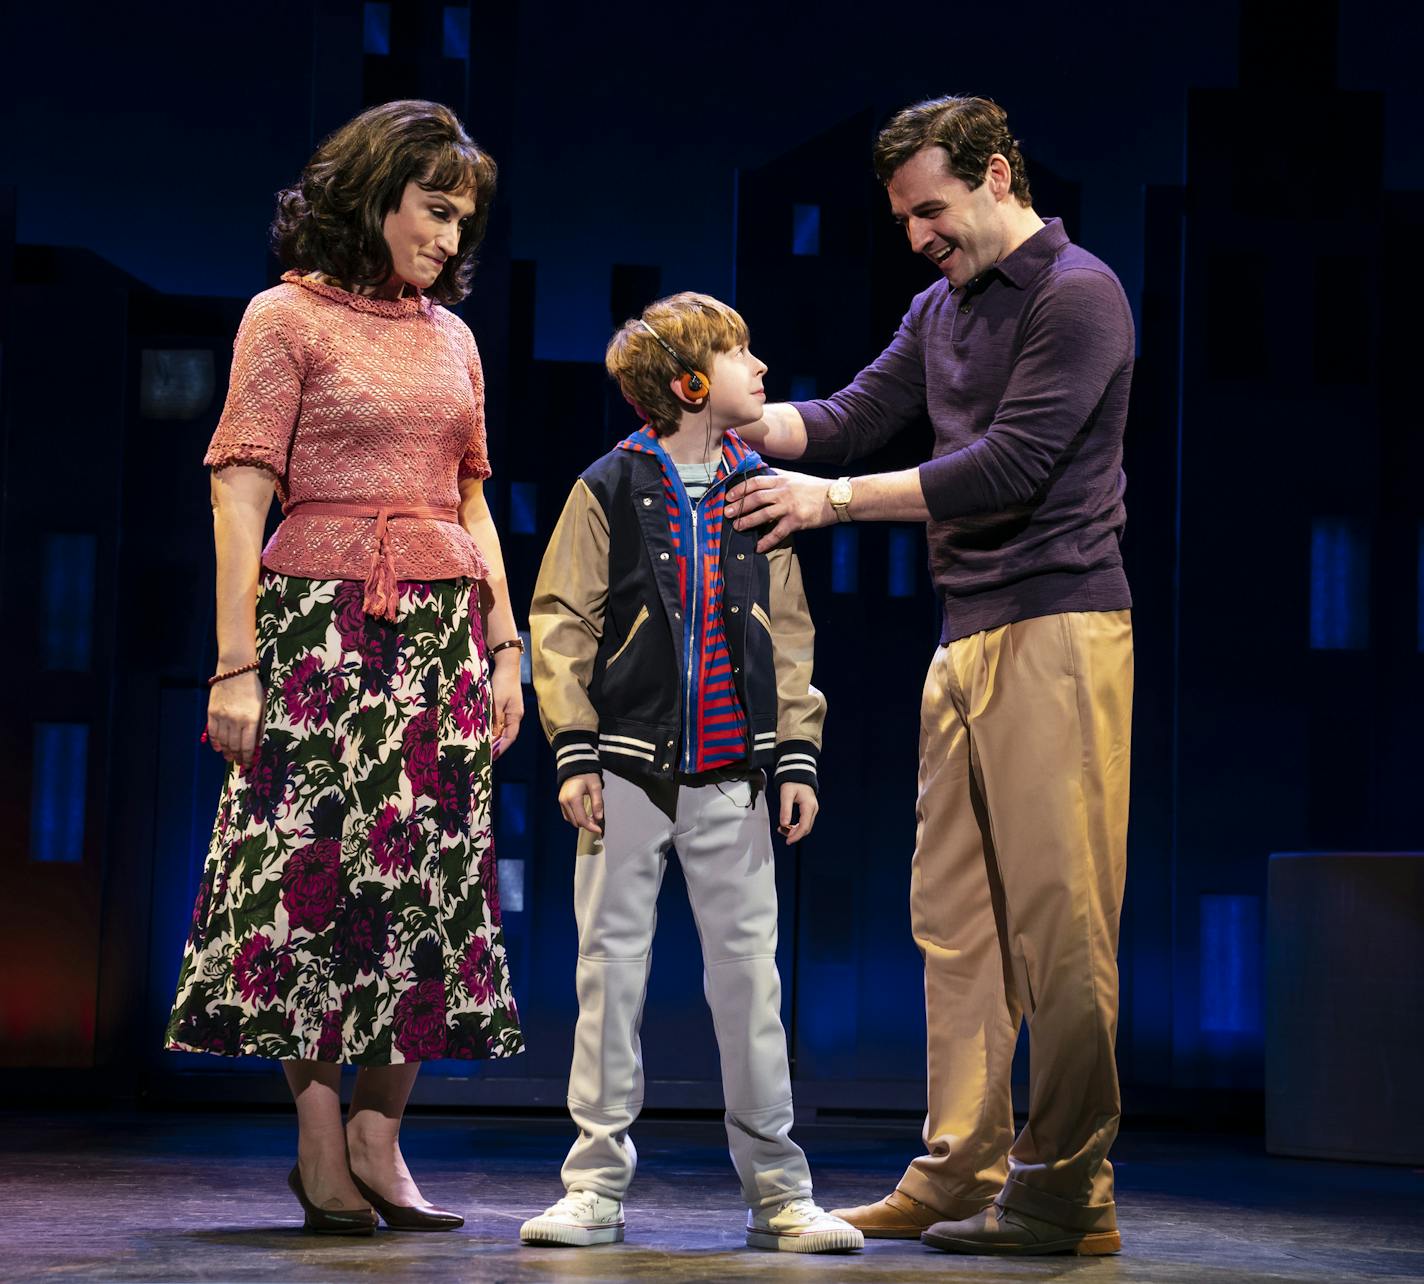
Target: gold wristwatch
pixel 839 495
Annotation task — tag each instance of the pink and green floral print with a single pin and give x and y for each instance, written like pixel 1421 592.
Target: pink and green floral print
pixel 348 909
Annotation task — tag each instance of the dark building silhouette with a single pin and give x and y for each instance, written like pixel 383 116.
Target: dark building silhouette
pixel 1274 545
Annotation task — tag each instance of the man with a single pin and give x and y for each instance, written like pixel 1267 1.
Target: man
pixel 1022 357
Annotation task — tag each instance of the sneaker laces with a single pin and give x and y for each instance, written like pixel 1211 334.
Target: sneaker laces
pixel 805 1208
pixel 577 1203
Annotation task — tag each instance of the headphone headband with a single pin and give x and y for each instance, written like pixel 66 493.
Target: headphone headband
pixel 668 348
pixel 695 384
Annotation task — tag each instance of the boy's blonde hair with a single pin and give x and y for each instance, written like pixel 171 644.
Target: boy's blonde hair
pixel 695 326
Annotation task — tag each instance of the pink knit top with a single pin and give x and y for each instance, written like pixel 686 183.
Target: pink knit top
pixel 357 401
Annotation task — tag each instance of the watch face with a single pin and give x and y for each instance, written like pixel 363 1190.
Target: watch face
pixel 839 492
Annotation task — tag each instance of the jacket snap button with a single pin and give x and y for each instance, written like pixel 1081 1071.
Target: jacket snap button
pixel 647 503
pixel 741 557
pixel 667 766
pixel 735 609
pixel 677 615
pixel 669 744
pixel 663 557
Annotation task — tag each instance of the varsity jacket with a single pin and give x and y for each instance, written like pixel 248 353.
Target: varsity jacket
pixel 617 636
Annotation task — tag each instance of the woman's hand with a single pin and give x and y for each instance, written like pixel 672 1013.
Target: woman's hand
pixel 508 695
pixel 235 717
pixel 493 599
pixel 241 495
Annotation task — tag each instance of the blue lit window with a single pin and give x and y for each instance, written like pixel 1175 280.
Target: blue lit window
pixel 511 885
pixel 377 28
pixel 904 552
pixel 805 229
pixel 61 774
pixel 1230 964
pixel 1339 585
pixel 457 32
pixel 523 508
pixel 67 602
pixel 803 387
pixel 845 559
pixel 513 814
pixel 175 383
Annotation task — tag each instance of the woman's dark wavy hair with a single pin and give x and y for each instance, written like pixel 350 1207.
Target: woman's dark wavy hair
pixel 332 221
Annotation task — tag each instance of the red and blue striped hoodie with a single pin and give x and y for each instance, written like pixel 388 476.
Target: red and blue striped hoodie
pixel 714 725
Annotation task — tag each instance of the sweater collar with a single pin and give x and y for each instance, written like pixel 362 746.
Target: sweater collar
pixel 406 306
pixel 1035 254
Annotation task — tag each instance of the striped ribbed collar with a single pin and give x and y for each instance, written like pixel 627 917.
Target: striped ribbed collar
pixel 737 456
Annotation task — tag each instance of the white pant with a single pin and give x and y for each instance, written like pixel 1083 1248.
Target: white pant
pixel 722 834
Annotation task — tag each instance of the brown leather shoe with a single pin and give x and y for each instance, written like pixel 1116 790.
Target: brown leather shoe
pixel 1008 1231
pixel 330 1221
pixel 897 1216
pixel 409 1217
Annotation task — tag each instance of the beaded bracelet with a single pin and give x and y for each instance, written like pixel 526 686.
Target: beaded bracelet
pixel 232 673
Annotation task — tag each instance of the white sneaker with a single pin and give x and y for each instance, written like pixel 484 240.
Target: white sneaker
pixel 579 1219
pixel 801 1226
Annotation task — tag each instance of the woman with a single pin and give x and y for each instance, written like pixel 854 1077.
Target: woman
pixel 368 667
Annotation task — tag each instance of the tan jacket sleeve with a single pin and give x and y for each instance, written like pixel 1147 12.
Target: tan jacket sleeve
pixel 566 617
pixel 800 707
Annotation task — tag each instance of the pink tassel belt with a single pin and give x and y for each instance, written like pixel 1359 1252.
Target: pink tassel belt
pixel 382 594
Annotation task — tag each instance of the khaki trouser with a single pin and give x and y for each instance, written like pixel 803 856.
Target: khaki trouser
pixel 1015 894
pixel 722 833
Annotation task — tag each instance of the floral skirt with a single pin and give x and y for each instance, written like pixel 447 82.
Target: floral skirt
pixel 348 909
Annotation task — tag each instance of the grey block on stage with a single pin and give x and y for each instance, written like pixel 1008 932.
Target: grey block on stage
pixel 1345 998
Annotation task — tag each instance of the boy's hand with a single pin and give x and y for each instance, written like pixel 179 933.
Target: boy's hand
pixel 581 801
pixel 801 800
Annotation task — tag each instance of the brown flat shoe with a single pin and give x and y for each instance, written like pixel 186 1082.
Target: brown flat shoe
pixel 330 1221
pixel 1003 1232
pixel 897 1216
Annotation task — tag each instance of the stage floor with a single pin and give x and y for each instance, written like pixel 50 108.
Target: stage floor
pixel 170 1197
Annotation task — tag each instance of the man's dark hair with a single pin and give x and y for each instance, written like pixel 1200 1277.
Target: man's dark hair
pixel 333 220
pixel 969 130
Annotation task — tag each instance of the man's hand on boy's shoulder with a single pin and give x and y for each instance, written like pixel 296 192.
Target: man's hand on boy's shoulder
pixel 784 502
pixel 581 801
pixel 798 811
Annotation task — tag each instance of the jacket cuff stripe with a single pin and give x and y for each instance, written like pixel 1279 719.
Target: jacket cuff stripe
pixel 627 753
pixel 625 740
pixel 575 754
pixel 796 761
pixel 796 776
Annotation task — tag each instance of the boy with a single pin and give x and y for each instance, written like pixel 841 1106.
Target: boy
pixel 672 662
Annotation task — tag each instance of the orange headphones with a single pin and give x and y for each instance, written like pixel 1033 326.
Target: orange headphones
pixel 695 385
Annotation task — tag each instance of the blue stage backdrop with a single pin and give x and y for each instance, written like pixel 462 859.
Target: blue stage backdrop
pixel 1261 204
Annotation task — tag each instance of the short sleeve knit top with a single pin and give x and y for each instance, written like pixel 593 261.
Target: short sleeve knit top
pixel 347 399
